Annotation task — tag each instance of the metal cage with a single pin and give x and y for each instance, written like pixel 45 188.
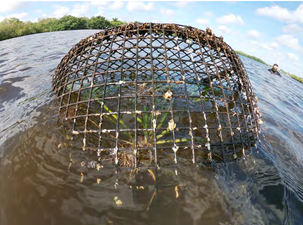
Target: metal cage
pixel 157 93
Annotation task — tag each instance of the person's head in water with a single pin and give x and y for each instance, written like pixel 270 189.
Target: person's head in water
pixel 275 67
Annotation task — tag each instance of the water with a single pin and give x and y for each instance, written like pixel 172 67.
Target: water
pixel 42 180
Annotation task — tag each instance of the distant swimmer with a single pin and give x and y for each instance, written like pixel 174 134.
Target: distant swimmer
pixel 274 70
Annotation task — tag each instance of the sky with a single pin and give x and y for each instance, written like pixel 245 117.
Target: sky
pixel 270 30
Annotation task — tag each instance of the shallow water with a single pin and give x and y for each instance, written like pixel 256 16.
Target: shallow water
pixel 42 181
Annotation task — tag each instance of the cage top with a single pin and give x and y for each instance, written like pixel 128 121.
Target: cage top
pixel 180 31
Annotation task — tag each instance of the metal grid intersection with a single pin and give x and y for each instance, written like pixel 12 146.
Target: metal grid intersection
pixel 157 92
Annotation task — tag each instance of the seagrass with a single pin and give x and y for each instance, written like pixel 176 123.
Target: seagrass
pixel 157 93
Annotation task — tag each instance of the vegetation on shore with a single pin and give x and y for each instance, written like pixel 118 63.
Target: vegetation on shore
pixel 10 28
pixel 252 57
pixel 300 79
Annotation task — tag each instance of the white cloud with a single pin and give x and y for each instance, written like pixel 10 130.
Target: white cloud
pixel 283 14
pixel 274 45
pixel 254 34
pixel 18 15
pixel 202 21
pixel 116 5
pixel 292 28
pixel 290 42
pixel 275 57
pixel 77 10
pixel 166 12
pixel 35 20
pixel 100 11
pixel 229 19
pixel 103 6
pixel 182 4
pixel 80 9
pixel 261 45
pixel 299 65
pixel 7 6
pixel 100 3
pixel 223 29
pixel 292 57
pixel 61 11
pixel 139 6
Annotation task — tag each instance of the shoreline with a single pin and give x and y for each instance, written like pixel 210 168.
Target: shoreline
pixel 300 79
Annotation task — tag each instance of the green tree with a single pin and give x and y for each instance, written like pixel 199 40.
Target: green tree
pixel 116 22
pixel 68 23
pixel 44 25
pixel 10 28
pixel 98 22
pixel 14 27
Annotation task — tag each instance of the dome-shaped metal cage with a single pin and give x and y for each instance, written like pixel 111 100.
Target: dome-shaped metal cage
pixel 157 92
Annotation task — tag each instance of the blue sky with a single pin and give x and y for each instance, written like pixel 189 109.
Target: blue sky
pixel 272 31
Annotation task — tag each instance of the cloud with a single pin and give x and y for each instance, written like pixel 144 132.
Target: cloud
pixel 254 34
pixel 261 45
pixel 77 10
pixel 166 12
pixel 283 14
pixel 182 4
pixel 230 19
pixel 290 42
pixel 100 3
pixel 103 6
pixel 202 21
pixel 61 11
pixel 292 57
pixel 116 5
pixel 292 28
pixel 274 45
pixel 35 20
pixel 80 9
pixel 140 6
pixel 223 29
pixel 7 6
pixel 276 57
pixel 18 15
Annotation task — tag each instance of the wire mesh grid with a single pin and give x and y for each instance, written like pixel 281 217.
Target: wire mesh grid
pixel 160 93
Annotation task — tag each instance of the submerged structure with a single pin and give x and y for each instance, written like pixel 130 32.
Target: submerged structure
pixel 157 93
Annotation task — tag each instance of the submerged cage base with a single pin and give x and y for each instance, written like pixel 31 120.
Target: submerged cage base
pixel 157 92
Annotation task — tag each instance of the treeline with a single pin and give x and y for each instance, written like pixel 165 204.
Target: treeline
pixel 13 27
pixel 300 79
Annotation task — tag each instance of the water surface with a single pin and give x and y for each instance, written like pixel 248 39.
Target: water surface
pixel 42 180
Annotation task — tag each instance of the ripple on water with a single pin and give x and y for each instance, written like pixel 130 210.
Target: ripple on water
pixel 43 182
